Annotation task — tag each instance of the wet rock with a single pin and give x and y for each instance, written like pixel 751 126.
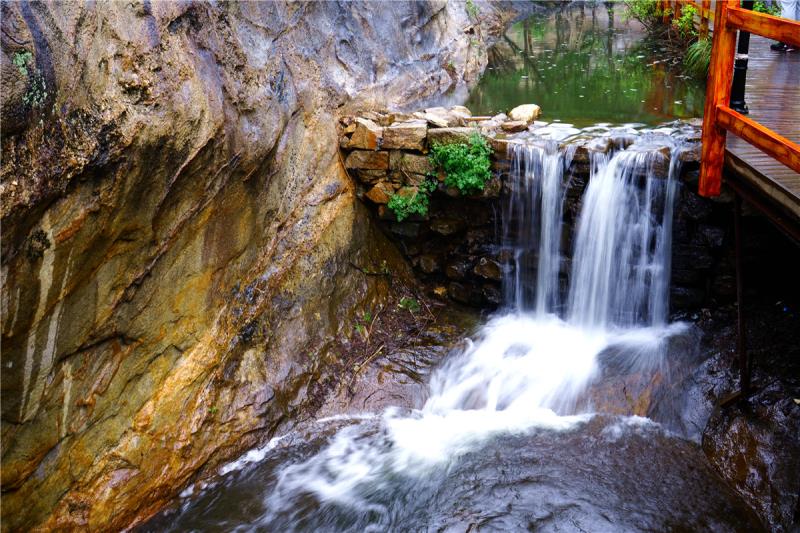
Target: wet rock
pixel 514 126
pixel 406 229
pixel 465 293
pixel 526 113
pixel 488 268
pixel 367 135
pixel 429 263
pixel 458 270
pixel 407 135
pixel 367 160
pixel 447 226
pixel 758 453
pixel 492 294
pixel 686 297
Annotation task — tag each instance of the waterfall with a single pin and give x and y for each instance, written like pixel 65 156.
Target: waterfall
pixel 532 365
pixel 621 256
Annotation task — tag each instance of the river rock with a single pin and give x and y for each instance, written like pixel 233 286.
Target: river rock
pixel 407 135
pixel 367 160
pixel 514 126
pixel 526 113
pixel 488 268
pixel 367 135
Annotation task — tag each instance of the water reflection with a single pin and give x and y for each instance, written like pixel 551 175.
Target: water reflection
pixel 585 64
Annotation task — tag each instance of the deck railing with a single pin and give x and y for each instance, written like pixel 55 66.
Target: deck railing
pixel 718 117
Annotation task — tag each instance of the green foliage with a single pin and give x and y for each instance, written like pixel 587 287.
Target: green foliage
pixel 761 7
pixel 647 12
pixel 685 23
pixel 472 9
pixel 37 89
pixel 698 57
pixel 21 60
pixel 405 205
pixel 466 167
pixel 409 304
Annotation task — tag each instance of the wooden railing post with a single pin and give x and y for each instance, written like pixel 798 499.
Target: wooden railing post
pixel 704 19
pixel 720 74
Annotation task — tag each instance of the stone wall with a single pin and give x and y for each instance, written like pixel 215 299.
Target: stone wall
pixel 454 248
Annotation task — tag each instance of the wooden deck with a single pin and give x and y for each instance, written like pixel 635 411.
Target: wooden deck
pixel 773 96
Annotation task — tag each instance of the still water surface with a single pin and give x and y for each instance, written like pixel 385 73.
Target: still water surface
pixel 583 65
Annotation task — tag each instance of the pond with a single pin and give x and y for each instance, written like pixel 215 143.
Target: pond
pixel 585 64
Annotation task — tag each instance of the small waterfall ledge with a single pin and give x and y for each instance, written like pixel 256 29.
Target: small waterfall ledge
pixel 460 251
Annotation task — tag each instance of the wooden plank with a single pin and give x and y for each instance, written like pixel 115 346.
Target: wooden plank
pixel 775 28
pixel 718 92
pixel 776 146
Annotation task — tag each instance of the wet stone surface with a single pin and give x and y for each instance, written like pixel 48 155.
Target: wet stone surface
pixel 607 474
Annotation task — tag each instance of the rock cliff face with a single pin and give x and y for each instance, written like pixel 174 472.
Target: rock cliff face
pixel 178 232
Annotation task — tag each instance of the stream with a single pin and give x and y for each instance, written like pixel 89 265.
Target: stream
pixel 510 435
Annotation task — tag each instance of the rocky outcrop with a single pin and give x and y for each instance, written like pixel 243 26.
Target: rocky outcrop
pixel 181 246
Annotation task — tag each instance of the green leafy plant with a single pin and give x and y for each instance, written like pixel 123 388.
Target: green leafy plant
pixel 698 57
pixel 472 9
pixel 648 12
pixel 411 201
pixel 409 304
pixel 466 166
pixel 761 7
pixel 36 94
pixel 21 60
pixel 685 23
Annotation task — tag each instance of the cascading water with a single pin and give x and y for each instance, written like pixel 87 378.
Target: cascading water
pixel 518 391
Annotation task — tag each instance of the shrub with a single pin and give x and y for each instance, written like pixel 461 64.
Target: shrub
pixel 685 23
pixel 647 12
pixel 698 57
pixel 405 205
pixel 773 9
pixel 466 166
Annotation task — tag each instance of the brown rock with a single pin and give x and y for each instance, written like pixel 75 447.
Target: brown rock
pixel 368 160
pixel 429 263
pixel 367 135
pixel 489 268
pixel 449 135
pixel 380 193
pixel 514 126
pixel 447 226
pixel 527 113
pixel 409 135
pixel 413 163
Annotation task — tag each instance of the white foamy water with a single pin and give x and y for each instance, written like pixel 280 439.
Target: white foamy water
pixel 531 367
